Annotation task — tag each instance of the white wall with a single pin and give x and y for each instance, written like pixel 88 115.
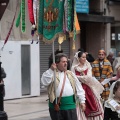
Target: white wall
pixel 11 61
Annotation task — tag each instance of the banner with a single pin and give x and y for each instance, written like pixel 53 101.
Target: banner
pixel 50 22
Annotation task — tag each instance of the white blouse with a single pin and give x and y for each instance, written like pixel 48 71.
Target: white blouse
pixel 68 91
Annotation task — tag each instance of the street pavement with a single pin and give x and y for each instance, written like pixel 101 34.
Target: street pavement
pixel 33 108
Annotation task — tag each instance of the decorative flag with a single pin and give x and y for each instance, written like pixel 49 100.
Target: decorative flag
pixel 77 26
pixel 76 30
pixel 50 23
pixel 35 13
pixel 69 15
pixel 18 18
pixel 30 11
pixel 74 26
pixel 35 10
pixel 23 15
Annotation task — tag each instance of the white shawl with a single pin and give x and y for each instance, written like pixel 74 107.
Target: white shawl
pixel 92 82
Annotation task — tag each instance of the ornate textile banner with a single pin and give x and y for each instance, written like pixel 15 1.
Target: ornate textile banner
pixel 69 15
pixel 50 23
pixel 30 11
pixel 23 24
pixel 21 16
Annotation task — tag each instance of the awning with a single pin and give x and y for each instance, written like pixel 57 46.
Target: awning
pixel 95 18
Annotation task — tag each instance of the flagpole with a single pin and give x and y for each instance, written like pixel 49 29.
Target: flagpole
pixel 54 72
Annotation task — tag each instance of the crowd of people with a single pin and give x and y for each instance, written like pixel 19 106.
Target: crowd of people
pixel 89 89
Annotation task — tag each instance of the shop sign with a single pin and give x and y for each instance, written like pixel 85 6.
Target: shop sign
pixel 118 36
pixel 82 6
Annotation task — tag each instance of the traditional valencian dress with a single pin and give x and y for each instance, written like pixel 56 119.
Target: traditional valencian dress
pixel 110 112
pixel 93 89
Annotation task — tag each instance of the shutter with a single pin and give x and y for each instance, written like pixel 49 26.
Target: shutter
pixel 46 50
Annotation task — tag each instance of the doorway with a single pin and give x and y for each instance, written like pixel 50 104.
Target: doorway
pixel 25 69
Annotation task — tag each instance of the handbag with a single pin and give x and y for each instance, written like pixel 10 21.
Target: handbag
pixel 56 106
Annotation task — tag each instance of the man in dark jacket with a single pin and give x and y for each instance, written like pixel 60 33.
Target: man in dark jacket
pixel 3 74
pixel 2 90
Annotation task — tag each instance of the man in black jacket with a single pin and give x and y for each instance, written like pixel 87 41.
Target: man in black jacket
pixel 3 74
pixel 2 90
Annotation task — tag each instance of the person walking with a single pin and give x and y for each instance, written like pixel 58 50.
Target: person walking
pixel 110 57
pixel 112 105
pixel 101 69
pixel 3 74
pixel 2 89
pixel 82 68
pixel 68 89
pixel 56 52
pixel 115 63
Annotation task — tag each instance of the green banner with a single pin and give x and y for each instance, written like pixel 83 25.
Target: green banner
pixel 50 23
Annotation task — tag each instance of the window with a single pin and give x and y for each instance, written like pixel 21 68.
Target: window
pixel 115 37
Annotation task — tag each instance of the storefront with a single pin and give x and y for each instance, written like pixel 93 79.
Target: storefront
pixel 114 8
pixel 95 26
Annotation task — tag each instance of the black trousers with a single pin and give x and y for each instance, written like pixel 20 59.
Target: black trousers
pixel 63 114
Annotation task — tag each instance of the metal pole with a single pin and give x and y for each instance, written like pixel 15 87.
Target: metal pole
pixel 54 72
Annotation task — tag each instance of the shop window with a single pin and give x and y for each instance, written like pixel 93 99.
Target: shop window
pixel 115 38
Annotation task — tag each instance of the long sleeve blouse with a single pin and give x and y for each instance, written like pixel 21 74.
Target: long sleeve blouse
pixel 116 77
pixel 88 79
pixel 47 78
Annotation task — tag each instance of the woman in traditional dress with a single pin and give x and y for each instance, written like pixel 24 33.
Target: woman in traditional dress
pixel 82 68
pixel 112 111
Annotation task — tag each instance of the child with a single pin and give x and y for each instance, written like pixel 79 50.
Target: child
pixel 111 112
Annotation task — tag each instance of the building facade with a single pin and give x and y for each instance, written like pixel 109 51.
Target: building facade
pixel 100 27
pixel 24 62
pixel 19 58
pixel 113 10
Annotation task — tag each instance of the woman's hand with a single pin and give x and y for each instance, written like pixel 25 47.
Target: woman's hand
pixel 118 107
pixel 83 106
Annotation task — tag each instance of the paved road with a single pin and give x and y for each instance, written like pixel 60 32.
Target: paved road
pixel 34 108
